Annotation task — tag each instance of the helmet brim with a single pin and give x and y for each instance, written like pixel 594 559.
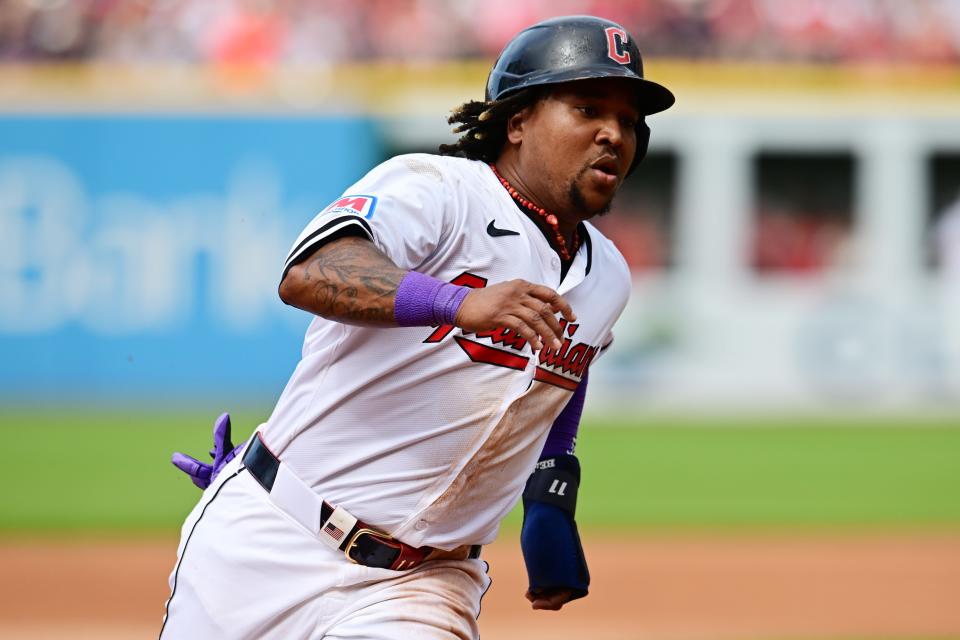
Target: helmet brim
pixel 652 97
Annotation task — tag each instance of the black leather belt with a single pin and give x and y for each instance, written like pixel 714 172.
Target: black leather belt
pixel 362 544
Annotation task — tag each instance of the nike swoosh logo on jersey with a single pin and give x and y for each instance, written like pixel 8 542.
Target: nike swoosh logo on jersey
pixel 496 233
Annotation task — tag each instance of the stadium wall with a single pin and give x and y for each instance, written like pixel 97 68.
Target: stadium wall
pixel 146 214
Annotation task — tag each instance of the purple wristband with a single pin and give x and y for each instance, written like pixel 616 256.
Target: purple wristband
pixel 562 438
pixel 423 301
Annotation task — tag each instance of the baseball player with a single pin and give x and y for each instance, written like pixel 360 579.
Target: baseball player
pixel 459 301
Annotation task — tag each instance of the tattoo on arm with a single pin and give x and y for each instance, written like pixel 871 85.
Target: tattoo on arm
pixel 350 280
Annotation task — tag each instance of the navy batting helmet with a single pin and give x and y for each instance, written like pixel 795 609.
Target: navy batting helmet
pixel 573 48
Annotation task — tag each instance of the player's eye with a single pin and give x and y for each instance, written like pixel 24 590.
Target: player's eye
pixel 628 122
pixel 587 110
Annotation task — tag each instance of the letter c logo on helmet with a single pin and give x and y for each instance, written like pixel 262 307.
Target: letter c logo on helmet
pixel 617 45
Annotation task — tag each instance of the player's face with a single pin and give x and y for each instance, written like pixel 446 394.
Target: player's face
pixel 584 135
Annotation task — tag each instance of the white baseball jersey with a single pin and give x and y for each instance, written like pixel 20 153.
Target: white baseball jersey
pixel 429 433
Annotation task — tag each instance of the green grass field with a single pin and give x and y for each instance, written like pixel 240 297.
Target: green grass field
pixel 98 472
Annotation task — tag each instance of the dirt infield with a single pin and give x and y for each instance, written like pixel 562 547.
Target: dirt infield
pixel 677 587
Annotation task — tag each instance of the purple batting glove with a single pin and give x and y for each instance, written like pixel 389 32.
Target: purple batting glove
pixel 223 452
pixel 198 471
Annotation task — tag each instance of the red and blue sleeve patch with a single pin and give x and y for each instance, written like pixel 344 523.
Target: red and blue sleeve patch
pixel 360 205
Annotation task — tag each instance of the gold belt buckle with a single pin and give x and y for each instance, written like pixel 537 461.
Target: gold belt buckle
pixel 359 532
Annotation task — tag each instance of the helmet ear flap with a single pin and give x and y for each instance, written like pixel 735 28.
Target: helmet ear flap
pixel 643 141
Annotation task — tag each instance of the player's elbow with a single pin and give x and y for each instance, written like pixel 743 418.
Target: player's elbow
pixel 292 287
pixel 298 289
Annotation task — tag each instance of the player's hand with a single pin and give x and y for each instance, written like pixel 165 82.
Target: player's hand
pixel 529 309
pixel 549 599
pixel 203 473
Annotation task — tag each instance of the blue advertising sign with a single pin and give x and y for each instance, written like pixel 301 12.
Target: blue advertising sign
pixel 140 255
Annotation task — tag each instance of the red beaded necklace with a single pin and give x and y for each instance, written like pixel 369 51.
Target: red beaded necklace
pixel 540 211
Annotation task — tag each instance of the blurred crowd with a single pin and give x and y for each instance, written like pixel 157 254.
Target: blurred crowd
pixel 327 31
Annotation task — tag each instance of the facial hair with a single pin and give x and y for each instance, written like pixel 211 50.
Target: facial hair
pixel 578 201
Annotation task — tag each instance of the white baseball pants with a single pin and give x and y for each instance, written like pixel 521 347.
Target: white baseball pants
pixel 245 569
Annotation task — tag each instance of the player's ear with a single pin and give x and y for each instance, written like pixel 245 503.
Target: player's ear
pixel 515 124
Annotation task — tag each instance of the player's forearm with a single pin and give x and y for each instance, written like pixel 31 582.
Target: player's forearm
pixel 562 439
pixel 348 280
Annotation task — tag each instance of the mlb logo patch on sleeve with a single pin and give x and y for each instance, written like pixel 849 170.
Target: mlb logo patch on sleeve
pixel 360 205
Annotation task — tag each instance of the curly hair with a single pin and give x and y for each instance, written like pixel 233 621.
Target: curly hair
pixel 484 125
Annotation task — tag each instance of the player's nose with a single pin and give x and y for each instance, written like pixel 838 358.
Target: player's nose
pixel 610 132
